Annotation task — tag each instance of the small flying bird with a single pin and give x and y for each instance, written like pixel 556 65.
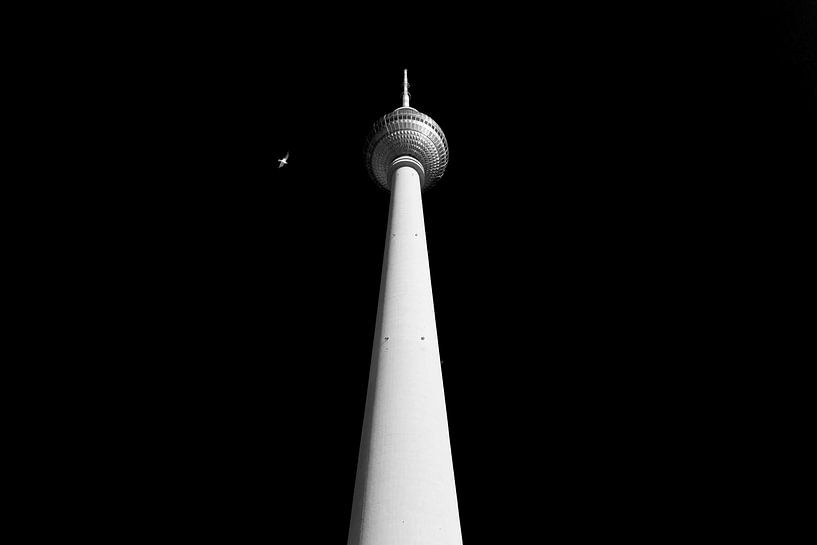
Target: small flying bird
pixel 284 160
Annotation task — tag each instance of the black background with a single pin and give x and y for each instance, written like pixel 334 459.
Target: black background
pixel 613 172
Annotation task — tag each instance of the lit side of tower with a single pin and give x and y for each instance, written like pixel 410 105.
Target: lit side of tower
pixel 404 491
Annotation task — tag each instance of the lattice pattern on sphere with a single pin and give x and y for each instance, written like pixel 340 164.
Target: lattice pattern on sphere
pixel 406 131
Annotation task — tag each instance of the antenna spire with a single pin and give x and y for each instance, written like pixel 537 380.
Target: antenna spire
pixel 405 89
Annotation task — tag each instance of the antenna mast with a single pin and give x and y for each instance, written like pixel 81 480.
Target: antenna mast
pixel 405 89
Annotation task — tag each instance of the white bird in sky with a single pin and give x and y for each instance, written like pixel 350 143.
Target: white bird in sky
pixel 284 160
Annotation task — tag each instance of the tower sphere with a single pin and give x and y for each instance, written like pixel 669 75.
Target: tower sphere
pixel 406 131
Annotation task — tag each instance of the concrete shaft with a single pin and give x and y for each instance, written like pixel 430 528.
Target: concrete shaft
pixel 404 492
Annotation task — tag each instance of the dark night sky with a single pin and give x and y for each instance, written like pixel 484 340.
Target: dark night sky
pixel 582 246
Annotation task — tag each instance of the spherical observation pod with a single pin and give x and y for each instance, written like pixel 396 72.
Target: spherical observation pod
pixel 405 131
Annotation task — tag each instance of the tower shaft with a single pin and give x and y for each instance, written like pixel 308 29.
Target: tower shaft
pixel 405 492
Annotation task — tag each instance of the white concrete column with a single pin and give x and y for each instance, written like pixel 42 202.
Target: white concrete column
pixel 404 492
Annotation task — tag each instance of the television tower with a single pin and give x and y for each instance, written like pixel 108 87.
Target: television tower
pixel 404 490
